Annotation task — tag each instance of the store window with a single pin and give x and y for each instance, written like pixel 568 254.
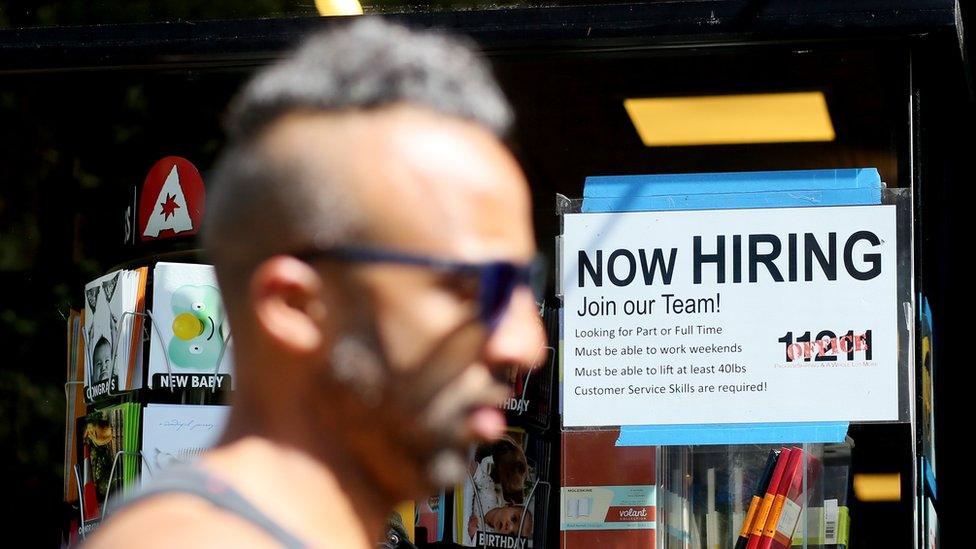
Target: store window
pixel 75 143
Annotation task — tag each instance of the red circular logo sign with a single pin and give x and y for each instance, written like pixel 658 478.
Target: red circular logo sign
pixel 172 200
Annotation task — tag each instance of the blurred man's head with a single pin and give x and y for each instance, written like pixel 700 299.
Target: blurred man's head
pixel 367 223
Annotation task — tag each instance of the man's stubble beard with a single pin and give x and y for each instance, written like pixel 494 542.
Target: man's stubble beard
pixel 358 367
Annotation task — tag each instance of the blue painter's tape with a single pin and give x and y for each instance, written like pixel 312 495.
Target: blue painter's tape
pixel 793 189
pixel 733 201
pixel 712 191
pixel 611 186
pixel 732 433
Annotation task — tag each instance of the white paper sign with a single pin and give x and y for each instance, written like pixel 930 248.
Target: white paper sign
pixel 178 434
pixel 730 316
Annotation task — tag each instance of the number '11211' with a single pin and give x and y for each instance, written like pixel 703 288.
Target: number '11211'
pixel 826 346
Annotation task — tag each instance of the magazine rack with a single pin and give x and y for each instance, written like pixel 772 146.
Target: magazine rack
pixel 531 413
pixel 141 395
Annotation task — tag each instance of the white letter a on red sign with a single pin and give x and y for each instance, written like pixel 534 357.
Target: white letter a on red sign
pixel 170 211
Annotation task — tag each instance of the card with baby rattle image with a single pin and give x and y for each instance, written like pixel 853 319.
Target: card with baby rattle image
pixel 190 334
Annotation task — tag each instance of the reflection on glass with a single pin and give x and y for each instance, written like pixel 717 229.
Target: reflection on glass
pixel 50 13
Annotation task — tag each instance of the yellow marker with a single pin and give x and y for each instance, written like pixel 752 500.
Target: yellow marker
pixel 757 498
pixel 762 514
pixel 750 517
pixel 767 501
pixel 790 478
pixel 774 512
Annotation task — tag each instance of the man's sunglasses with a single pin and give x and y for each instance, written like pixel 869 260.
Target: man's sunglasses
pixel 497 280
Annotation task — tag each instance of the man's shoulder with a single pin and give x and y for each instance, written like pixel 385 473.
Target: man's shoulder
pixel 176 520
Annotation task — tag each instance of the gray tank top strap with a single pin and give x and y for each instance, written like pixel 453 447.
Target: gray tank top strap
pixel 194 481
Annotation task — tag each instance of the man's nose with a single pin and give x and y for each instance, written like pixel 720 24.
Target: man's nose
pixel 519 338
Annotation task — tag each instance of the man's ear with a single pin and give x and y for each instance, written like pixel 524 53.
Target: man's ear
pixel 288 305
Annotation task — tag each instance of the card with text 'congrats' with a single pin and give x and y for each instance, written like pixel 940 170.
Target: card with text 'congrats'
pixel 113 332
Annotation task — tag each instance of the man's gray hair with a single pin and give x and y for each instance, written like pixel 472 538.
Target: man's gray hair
pixel 371 64
pixel 256 205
